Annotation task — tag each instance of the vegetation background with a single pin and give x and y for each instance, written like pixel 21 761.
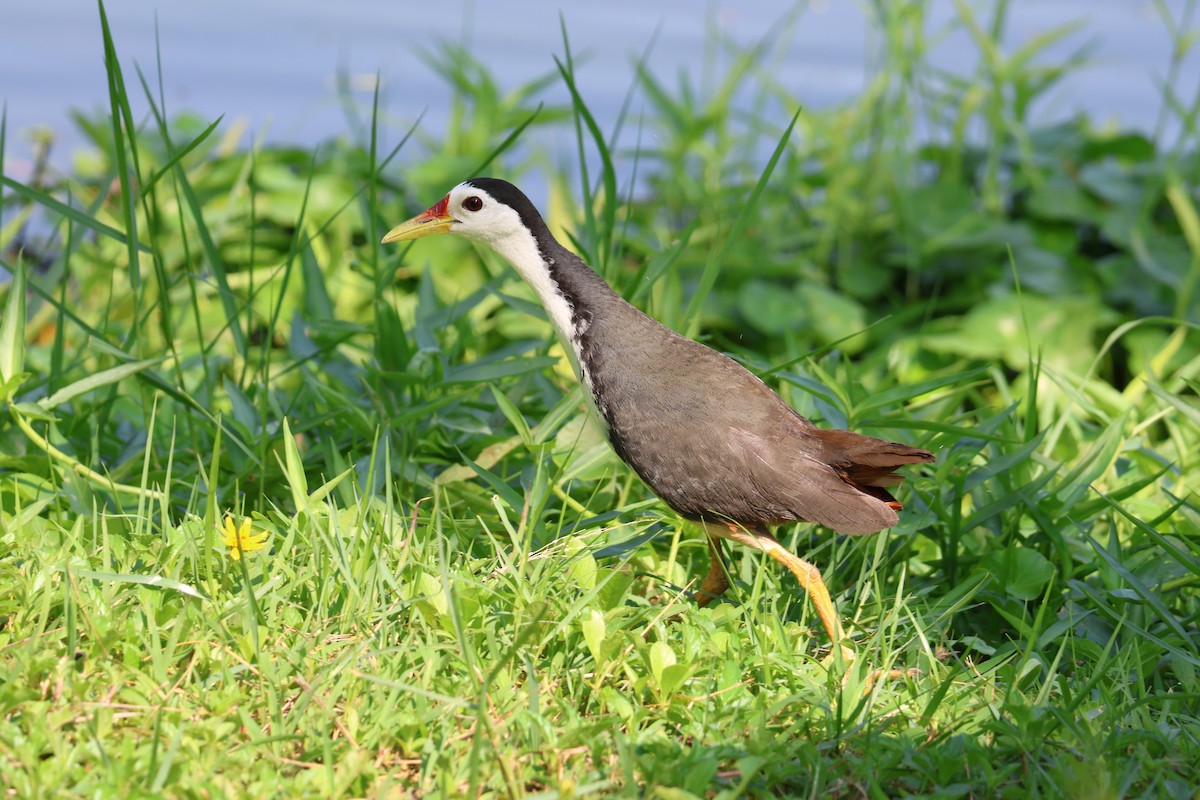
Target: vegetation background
pixel 461 591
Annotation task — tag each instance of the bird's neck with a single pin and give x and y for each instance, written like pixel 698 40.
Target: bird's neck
pixel 570 291
pixel 525 254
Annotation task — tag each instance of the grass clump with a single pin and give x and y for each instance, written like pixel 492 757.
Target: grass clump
pixel 461 592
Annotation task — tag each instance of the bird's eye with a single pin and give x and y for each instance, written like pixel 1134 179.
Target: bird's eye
pixel 472 203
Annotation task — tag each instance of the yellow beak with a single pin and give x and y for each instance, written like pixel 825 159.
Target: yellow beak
pixel 436 220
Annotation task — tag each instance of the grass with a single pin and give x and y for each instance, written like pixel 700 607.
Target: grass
pixel 463 592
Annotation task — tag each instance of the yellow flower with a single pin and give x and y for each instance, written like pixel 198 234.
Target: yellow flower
pixel 243 539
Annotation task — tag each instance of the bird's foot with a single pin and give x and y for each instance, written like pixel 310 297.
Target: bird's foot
pixel 889 674
pixel 848 657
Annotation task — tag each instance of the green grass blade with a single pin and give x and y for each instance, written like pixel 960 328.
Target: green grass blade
pixel 12 334
pixel 746 212
pixel 100 379
pixel 76 216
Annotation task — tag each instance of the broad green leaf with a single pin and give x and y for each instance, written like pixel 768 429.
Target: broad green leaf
pixel 768 308
pixel 582 450
pixel 613 586
pixel 833 316
pixel 672 677
pixel 1022 573
pixel 586 462
pixel 661 657
pixel 594 631
pixel 34 411
pixel 583 571
pixel 1112 181
pixel 1061 199
pixel 1062 329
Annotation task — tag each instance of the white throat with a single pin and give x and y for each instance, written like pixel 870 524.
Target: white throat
pixel 521 250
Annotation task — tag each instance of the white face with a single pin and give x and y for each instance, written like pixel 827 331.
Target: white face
pixel 478 216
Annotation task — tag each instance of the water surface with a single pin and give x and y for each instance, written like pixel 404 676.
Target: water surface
pixel 273 64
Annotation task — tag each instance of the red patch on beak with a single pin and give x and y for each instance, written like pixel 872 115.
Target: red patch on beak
pixel 438 209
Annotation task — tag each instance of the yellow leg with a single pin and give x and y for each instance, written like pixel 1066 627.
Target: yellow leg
pixel 808 575
pixel 810 578
pixel 717 580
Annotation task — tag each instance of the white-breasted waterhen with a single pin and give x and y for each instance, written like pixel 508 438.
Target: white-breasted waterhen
pixel 706 435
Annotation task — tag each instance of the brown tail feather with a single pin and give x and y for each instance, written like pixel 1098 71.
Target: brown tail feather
pixel 868 451
pixel 869 464
pixel 878 494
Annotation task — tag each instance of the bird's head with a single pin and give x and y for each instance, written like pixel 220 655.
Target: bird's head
pixel 497 215
pixel 486 210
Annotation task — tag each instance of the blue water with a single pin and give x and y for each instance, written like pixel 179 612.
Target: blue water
pixel 273 64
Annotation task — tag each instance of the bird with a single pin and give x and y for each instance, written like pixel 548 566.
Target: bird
pixel 705 434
